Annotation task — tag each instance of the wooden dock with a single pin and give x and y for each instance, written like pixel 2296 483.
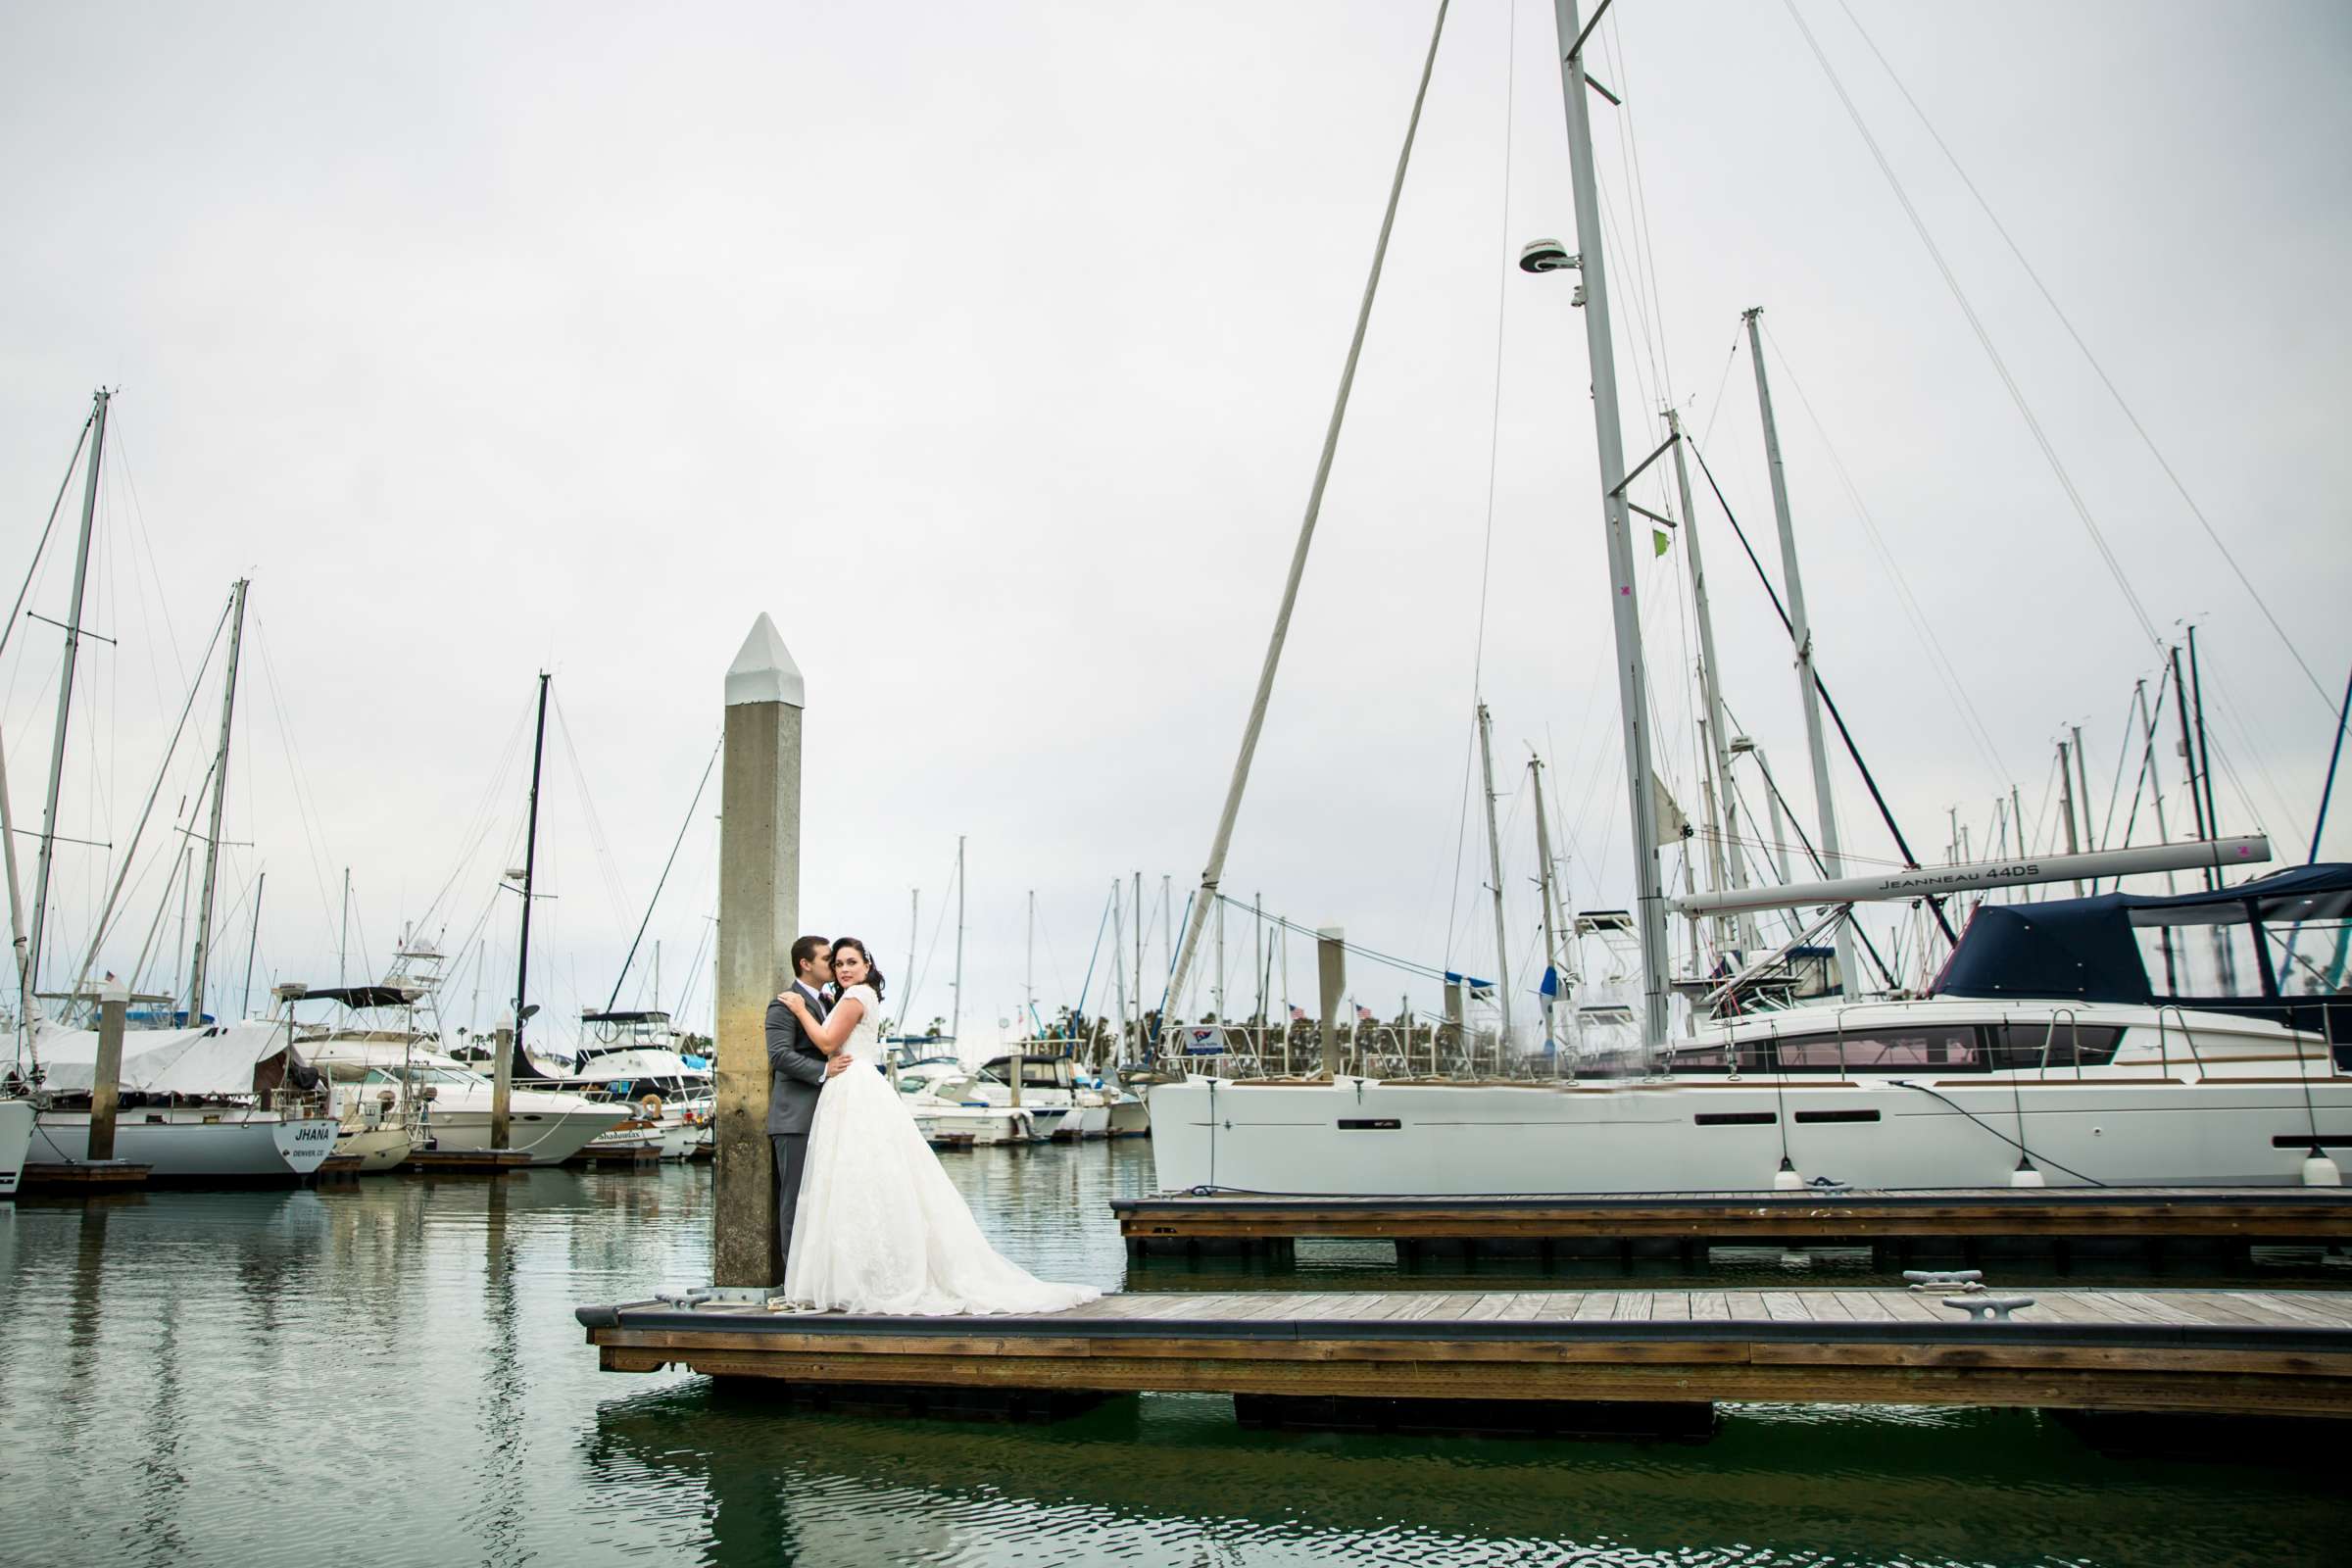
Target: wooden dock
pixel 1584 1224
pixel 2210 1352
pixel 467 1162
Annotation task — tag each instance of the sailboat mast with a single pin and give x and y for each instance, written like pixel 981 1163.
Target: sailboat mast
pixel 1502 942
pixel 1139 960
pixel 530 863
pixel 956 1006
pixel 1029 964
pixel 65 707
pixel 1119 968
pixel 914 934
pixel 1196 925
pixel 260 885
pixel 2066 807
pixel 1723 810
pixel 1800 631
pixel 1219 976
pixel 1632 683
pixel 212 844
pixel 1552 910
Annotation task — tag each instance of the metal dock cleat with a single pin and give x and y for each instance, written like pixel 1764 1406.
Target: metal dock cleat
pixel 1958 1279
pixel 1988 1308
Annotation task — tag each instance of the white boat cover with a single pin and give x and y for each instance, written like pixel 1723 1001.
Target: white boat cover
pixel 220 1059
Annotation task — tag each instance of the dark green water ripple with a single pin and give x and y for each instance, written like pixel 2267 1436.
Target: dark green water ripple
pixel 388 1372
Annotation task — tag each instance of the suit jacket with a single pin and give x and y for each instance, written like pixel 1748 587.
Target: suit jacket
pixel 796 1070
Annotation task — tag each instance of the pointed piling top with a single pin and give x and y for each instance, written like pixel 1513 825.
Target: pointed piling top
pixel 764 670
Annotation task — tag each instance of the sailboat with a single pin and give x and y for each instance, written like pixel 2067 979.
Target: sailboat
pixel 204 1100
pixel 2064 1044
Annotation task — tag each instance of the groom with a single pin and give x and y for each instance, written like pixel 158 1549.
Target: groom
pixel 796 1071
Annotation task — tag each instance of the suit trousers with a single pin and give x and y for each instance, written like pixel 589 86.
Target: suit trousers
pixel 792 1154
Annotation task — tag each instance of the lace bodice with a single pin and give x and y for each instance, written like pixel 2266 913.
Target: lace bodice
pixel 865 1039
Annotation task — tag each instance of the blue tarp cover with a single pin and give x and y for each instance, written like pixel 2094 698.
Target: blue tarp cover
pixel 2084 949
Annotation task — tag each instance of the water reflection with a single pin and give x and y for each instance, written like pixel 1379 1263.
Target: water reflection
pixel 401 1354
pixel 1171 1479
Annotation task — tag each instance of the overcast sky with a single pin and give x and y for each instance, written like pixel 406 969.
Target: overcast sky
pixel 988 348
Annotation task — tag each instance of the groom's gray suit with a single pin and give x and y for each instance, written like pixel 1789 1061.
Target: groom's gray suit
pixel 796 1071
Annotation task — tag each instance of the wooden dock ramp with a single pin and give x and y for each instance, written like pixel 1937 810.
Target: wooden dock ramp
pixel 1570 1225
pixel 2214 1352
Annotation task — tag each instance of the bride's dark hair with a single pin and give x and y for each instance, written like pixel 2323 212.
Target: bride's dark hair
pixel 873 976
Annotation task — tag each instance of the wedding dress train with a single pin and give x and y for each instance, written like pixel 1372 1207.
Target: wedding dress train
pixel 880 1228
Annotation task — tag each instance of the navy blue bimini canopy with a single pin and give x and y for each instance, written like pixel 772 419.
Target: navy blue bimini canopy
pixel 2084 950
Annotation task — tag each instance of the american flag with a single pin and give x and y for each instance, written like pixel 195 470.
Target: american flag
pixel 1363 1014
pixel 1298 1014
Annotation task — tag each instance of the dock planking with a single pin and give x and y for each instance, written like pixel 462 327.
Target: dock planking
pixel 1856 1217
pixel 2206 1352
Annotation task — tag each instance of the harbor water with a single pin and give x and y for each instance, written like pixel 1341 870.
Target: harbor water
pixel 388 1371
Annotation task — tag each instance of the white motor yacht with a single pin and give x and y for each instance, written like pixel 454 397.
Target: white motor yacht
pixel 936 1091
pixel 634 1058
pixel 1049 1092
pixel 444 1100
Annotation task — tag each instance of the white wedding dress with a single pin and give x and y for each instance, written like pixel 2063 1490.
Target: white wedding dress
pixel 879 1227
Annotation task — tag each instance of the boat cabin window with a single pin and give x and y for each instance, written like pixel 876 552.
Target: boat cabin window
pixel 2022 1047
pixel 1948 1047
pixel 2311 958
pixel 1723 1055
pixel 2206 960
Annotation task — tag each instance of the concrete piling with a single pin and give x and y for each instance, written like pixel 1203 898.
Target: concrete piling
pixel 502 1090
pixel 1331 971
pixel 759 916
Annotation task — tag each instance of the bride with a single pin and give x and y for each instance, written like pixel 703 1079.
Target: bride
pixel 880 1228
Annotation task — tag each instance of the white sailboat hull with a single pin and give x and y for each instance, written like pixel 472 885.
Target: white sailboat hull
pixel 1475 1140
pixel 16 1142
pixel 194 1144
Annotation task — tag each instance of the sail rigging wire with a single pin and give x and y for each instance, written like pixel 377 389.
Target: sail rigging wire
pixel 306 810
pixel 1411 966
pixel 1951 280
pixel 1503 302
pixel 2115 787
pixel 1461 831
pixel 597 840
pixel 131 850
pixel 1939 660
pixel 1852 749
pixel 664 880
pixel 1715 409
pixel 485 817
pixel 922 971
pixel 1645 250
pixel 2335 754
pixel 40 545
pixel 118 472
pixel 2100 371
pixel 1214 871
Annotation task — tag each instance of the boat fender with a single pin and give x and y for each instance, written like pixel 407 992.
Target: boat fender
pixel 2321 1171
